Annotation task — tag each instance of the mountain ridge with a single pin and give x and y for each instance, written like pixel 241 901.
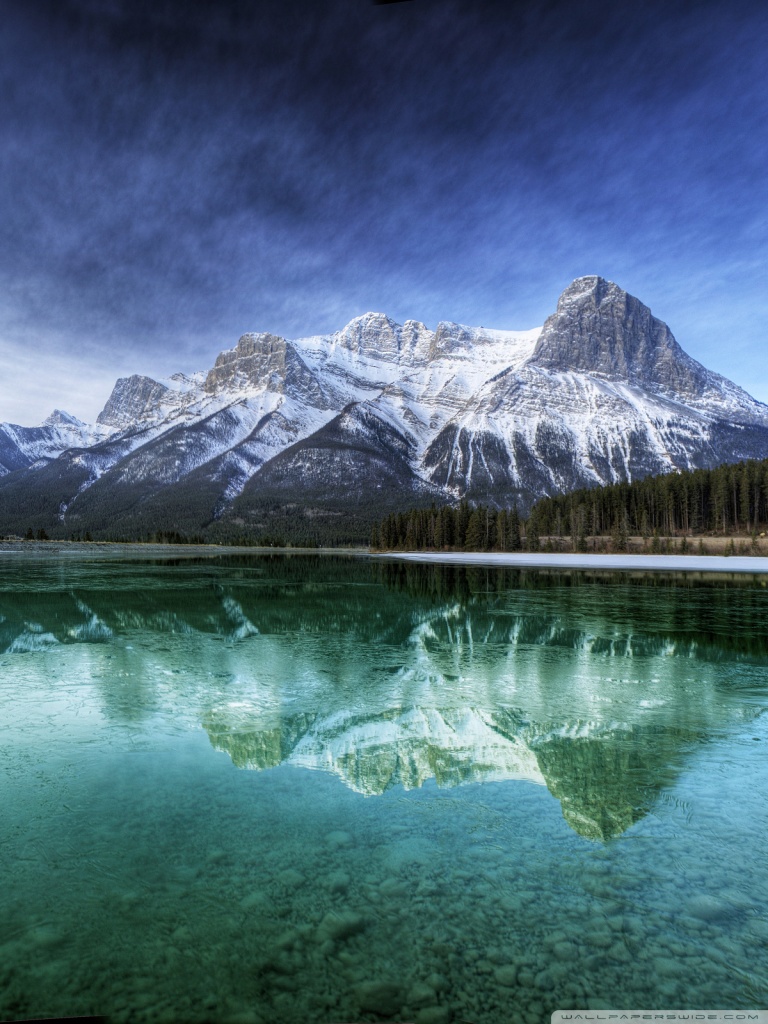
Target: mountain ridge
pixel 380 414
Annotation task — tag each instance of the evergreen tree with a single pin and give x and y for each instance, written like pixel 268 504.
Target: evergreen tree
pixel 581 528
pixel 501 530
pixel 411 533
pixel 490 530
pixel 462 522
pixel 439 533
pixel 514 541
pixel 745 493
pixel 474 539
pixel 449 526
pixel 619 537
pixel 532 541
pixel 645 530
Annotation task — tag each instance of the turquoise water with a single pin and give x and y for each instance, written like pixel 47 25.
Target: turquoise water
pixel 304 789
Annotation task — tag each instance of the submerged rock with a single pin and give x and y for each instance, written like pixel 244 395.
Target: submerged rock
pixel 46 936
pixel 255 901
pixel 382 997
pixel 421 994
pixel 565 951
pixel 338 881
pixel 338 838
pixel 506 975
pixel 433 1015
pixel 291 878
pixel 341 925
pixel 709 908
pixel 393 887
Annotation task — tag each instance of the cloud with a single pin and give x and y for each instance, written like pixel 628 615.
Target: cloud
pixel 176 175
pixel 28 396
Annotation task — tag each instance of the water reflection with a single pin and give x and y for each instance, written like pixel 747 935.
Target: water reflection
pixel 608 613
pixel 391 675
pixel 605 778
pixel 377 861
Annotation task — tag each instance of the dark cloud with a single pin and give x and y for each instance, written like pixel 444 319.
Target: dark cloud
pixel 175 174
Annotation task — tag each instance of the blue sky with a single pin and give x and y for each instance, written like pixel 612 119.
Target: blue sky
pixel 175 175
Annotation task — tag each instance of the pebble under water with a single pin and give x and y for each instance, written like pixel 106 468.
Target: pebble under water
pixel 305 789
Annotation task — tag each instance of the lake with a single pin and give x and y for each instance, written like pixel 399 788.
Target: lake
pixel 320 789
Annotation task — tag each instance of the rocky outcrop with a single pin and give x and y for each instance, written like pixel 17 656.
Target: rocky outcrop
pixel 599 328
pixel 376 336
pixel 253 360
pixel 268 361
pixel 132 400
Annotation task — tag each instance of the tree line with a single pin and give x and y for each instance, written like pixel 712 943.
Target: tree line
pixel 463 527
pixel 730 499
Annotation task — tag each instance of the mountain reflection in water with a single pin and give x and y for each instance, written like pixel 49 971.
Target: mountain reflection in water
pixel 388 674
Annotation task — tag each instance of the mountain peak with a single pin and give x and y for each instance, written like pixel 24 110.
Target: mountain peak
pixel 372 334
pixel 378 336
pixel 599 328
pixel 595 290
pixel 131 399
pixel 591 285
pixel 60 418
pixel 380 319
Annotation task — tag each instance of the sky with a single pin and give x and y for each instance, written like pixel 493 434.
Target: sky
pixel 177 174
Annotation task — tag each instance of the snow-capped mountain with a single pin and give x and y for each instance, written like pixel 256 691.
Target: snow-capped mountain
pixel 379 415
pixel 21 447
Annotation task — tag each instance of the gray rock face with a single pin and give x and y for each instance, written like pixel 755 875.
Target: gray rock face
pixel 450 338
pixel 265 359
pixel 372 334
pixel 254 358
pixel 377 336
pixel 132 399
pixel 600 329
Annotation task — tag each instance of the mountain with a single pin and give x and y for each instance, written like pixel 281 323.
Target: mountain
pixel 318 436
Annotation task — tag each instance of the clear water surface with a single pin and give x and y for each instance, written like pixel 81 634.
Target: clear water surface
pixel 306 789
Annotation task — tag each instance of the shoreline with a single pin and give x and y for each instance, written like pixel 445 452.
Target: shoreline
pixel 120 549
pixel 734 564
pixel 741 564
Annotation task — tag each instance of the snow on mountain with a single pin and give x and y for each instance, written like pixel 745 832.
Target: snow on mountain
pixel 21 447
pixel 379 410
